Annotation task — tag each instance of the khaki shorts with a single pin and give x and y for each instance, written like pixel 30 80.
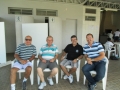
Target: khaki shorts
pixel 48 64
pixel 66 62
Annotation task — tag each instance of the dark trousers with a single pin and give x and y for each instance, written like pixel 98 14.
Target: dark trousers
pixel 99 67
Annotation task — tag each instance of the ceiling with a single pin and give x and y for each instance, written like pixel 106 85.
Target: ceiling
pixel 114 1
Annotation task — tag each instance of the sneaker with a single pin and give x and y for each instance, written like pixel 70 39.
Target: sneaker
pixel 42 85
pixel 24 85
pixel 70 78
pixel 12 88
pixel 65 77
pixel 50 81
pixel 92 87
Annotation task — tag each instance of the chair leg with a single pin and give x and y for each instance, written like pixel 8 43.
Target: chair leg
pixel 84 79
pixel 104 83
pixel 31 78
pixel 62 74
pixel 108 54
pixel 38 79
pixel 77 74
pixel 19 75
pixel 57 78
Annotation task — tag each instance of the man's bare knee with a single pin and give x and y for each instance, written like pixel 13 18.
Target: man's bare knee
pixel 55 70
pixel 14 70
pixel 28 68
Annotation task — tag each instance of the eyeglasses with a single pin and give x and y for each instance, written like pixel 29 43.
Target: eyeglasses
pixel 28 39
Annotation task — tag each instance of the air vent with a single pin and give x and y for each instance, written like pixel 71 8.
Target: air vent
pixel 20 11
pixel 46 12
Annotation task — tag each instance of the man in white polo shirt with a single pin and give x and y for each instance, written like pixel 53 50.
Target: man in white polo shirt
pixel 47 57
pixel 117 35
pixel 24 54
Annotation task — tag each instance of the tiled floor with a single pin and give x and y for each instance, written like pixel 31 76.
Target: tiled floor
pixel 113 80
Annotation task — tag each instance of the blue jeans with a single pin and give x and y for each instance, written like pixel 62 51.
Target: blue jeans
pixel 99 67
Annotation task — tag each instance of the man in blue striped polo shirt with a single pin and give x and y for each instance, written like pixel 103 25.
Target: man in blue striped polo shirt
pixel 47 57
pixel 95 56
pixel 24 54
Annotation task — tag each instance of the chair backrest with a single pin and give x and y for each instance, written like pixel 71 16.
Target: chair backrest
pixel 106 47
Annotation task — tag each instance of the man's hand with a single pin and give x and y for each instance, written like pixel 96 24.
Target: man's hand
pixel 89 61
pixel 75 60
pixel 62 58
pixel 23 61
pixel 52 60
pixel 43 60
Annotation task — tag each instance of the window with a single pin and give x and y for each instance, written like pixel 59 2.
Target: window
pixel 46 12
pixel 90 18
pixel 20 11
pixel 90 11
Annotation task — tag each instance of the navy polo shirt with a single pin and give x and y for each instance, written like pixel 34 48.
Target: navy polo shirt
pixel 73 52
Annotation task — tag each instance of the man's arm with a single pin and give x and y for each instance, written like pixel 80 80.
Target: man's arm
pixel 17 57
pixel 32 58
pixel 56 56
pixel 63 55
pixel 40 57
pixel 100 57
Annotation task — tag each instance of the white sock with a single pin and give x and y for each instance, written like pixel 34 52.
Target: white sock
pixel 24 80
pixel 12 86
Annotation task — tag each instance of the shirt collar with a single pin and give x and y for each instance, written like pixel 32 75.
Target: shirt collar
pixel 47 45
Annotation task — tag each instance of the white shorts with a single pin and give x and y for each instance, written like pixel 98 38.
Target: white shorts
pixel 21 66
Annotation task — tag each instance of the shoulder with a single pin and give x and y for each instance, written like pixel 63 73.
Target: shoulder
pixel 33 45
pixel 69 45
pixel 20 45
pixel 79 45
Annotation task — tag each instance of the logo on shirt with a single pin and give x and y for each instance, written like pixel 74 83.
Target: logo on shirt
pixel 77 51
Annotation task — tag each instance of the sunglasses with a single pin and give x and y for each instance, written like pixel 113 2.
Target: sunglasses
pixel 28 39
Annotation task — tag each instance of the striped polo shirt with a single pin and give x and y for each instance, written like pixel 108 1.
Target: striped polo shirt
pixel 94 50
pixel 25 52
pixel 47 52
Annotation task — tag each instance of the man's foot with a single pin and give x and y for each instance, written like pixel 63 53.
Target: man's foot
pixel 92 87
pixel 50 81
pixel 70 78
pixel 24 85
pixel 42 85
pixel 65 77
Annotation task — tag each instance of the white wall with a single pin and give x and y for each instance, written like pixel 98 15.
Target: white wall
pixel 91 26
pixel 2 43
pixel 70 11
pixel 69 29
pixel 38 32
pixel 19 19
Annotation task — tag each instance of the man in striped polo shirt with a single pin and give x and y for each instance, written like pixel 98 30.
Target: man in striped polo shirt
pixel 47 57
pixel 24 54
pixel 95 56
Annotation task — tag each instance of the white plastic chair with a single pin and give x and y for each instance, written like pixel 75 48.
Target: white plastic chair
pixel 23 70
pixel 77 71
pixel 104 80
pixel 47 70
pixel 109 50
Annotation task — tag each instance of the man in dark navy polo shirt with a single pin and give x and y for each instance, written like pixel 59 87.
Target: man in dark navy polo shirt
pixel 73 52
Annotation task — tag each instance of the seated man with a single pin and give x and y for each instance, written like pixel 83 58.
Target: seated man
pixel 47 57
pixel 74 53
pixel 109 42
pixel 24 54
pixel 95 56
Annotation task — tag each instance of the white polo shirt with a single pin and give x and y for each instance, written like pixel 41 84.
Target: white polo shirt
pixel 117 33
pixel 110 44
